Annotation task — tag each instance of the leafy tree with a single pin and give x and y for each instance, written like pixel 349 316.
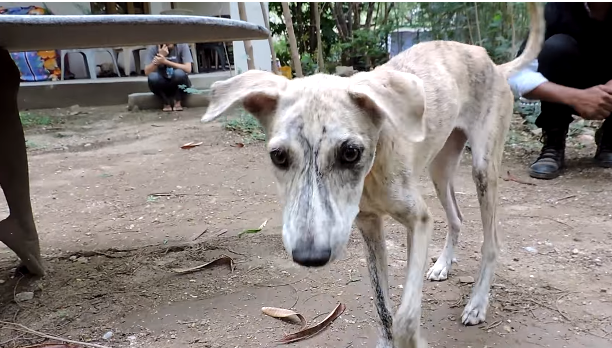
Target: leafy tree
pixel 356 33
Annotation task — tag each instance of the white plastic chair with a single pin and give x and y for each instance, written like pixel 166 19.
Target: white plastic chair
pixel 89 57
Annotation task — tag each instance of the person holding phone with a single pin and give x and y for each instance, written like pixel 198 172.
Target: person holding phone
pixel 166 67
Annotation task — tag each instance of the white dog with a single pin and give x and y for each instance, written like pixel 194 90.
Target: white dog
pixel 352 149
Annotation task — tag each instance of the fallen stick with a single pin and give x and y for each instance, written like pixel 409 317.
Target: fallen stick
pixel 221 260
pixel 24 328
pixel 511 177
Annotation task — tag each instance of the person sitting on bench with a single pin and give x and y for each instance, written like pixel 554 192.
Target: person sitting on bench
pixel 166 67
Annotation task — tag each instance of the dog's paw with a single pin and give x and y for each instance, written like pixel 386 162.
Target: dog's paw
pixel 440 270
pixel 475 312
pixel 415 341
pixel 382 343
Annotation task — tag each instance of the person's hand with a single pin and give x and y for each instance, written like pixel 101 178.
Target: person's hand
pixel 594 103
pixel 163 50
pixel 159 60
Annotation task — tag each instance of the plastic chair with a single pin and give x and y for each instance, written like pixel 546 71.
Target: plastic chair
pixel 89 57
pixel 128 54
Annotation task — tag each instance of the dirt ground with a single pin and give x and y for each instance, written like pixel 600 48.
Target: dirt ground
pixel 119 204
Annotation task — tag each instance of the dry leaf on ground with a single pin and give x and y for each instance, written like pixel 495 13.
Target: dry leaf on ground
pixel 191 145
pixel 314 330
pixel 284 314
pixel 222 260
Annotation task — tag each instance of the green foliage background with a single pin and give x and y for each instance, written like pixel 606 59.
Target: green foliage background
pixel 499 27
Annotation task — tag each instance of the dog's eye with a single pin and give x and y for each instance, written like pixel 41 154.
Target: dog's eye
pixel 349 154
pixel 279 158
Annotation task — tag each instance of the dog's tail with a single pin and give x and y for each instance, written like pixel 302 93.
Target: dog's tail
pixel 537 28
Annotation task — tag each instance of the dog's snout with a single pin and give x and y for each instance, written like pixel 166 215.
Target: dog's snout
pixel 311 257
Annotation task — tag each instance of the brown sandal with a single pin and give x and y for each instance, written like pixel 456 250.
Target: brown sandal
pixel 167 108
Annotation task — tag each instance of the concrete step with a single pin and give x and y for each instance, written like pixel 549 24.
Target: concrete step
pixel 148 101
pixel 100 92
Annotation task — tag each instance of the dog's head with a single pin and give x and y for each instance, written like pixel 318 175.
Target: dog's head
pixel 322 133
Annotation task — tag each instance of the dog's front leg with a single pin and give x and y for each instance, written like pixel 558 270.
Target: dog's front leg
pixel 371 227
pixel 414 215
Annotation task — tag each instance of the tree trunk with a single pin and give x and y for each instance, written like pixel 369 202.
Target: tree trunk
pixel 295 8
pixel 469 25
pixel 368 22
pixel 248 47
pixel 295 55
pixel 477 24
pixel 356 16
pixel 312 37
pixel 377 16
pixel 340 21
pixel 511 10
pixel 320 61
pixel 266 18
pixel 387 12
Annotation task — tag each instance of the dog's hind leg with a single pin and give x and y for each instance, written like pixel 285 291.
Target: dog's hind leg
pixel 371 227
pixel 487 150
pixel 442 171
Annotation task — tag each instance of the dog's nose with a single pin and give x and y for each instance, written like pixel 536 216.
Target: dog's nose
pixel 311 257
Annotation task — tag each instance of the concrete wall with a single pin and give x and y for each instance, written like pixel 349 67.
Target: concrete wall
pixel 261 48
pixel 205 8
pixel 158 7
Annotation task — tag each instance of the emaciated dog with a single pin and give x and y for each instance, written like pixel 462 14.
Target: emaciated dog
pixel 352 149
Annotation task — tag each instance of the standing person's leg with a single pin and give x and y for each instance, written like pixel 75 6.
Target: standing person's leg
pixel 159 86
pixel 563 62
pixel 179 78
pixel 603 137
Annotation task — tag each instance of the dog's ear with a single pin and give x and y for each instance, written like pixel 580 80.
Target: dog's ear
pixel 394 96
pixel 257 91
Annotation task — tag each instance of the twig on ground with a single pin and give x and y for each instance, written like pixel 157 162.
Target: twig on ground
pixel 550 308
pixel 564 198
pixel 492 326
pixel 26 329
pixel 5 343
pixel 254 268
pixel 232 251
pixel 547 218
pixel 511 177
pixel 559 310
pixel 297 296
pixel 176 194
pixel 277 285
pixel 605 337
pixel 223 259
pixel 200 235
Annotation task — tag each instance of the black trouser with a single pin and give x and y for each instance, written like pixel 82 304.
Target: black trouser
pixel 565 62
pixel 167 89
